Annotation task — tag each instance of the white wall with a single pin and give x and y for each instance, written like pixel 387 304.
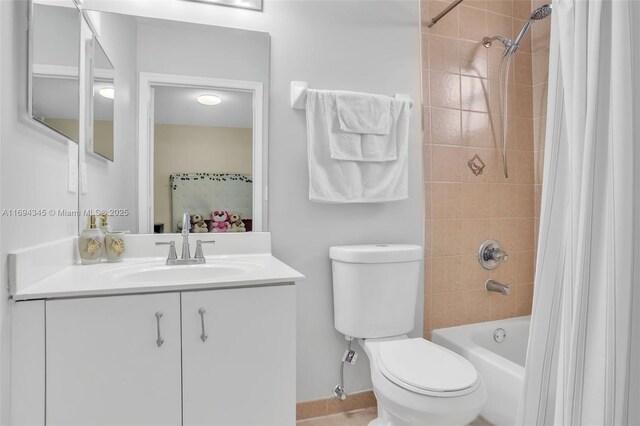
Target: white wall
pixel 33 170
pixel 369 46
pixel 201 51
pixel 195 149
pixel 362 46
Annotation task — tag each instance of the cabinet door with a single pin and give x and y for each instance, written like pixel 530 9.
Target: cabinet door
pixel 105 365
pixel 27 364
pixel 243 372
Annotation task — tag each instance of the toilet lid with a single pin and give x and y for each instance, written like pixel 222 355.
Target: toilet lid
pixel 426 366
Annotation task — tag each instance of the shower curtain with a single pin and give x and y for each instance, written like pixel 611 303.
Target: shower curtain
pixel 583 359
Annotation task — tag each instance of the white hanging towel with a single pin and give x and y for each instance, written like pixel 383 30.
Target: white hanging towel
pixel 363 112
pixel 361 142
pixel 345 181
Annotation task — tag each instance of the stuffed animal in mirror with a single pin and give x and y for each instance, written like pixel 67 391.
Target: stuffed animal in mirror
pixel 198 224
pixel 219 221
pixel 237 225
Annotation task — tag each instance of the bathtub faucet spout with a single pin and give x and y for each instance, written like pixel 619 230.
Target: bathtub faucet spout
pixel 492 285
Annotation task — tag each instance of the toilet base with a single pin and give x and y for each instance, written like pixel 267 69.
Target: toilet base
pixel 383 418
pixel 400 407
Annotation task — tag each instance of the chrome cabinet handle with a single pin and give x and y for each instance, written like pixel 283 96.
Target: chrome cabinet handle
pixel 203 336
pixel 160 340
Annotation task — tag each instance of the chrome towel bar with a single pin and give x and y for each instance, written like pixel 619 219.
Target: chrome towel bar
pixel 299 95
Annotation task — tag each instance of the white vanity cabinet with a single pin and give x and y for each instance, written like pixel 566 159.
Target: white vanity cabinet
pixel 238 356
pixel 212 357
pixel 105 364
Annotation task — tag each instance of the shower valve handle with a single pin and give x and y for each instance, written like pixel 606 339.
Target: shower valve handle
pixel 490 254
pixel 498 255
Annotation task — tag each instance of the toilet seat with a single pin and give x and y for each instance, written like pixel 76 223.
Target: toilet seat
pixel 426 368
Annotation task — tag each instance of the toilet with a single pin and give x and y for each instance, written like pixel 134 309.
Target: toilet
pixel 416 382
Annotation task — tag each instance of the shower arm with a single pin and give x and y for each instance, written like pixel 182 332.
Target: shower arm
pixel 488 41
pixel 510 46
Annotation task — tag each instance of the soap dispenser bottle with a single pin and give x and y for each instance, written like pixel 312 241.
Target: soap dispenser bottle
pixel 91 243
pixel 103 224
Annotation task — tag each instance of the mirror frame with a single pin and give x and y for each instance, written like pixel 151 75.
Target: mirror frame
pixel 240 4
pixel 90 125
pixel 30 74
pixel 145 148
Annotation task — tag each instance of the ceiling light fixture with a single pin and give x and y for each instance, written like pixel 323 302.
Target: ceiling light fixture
pixel 208 100
pixel 107 92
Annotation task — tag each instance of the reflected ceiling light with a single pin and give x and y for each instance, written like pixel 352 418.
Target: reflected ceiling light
pixel 107 92
pixel 208 100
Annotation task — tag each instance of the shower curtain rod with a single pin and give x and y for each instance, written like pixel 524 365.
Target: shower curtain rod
pixel 444 12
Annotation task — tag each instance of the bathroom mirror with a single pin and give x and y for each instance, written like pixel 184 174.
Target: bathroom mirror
pixel 190 128
pixel 100 134
pixel 54 55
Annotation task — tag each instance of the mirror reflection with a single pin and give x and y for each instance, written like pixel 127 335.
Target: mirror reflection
pixel 54 57
pixel 101 136
pixel 202 144
pixel 172 153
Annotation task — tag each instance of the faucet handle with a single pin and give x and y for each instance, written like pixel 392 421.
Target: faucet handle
pixel 490 254
pixel 499 255
pixel 172 249
pixel 199 254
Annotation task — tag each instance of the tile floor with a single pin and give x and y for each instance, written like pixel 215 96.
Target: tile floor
pixel 352 418
pixel 359 418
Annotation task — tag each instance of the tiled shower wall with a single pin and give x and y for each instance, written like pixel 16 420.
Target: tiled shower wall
pixel 461 120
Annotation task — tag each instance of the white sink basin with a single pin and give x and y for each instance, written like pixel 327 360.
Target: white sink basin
pixel 161 273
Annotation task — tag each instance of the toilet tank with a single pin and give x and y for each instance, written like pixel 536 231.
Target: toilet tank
pixel 375 288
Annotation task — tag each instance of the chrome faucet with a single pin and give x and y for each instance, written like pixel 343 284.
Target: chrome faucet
pixel 186 226
pixel 185 258
pixel 492 285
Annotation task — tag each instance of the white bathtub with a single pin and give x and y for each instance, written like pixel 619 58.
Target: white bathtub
pixel 501 365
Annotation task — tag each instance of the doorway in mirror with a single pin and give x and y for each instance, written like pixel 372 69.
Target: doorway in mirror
pixel 200 145
pixel 202 158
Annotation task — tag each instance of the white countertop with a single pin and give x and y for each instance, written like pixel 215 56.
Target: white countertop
pixel 99 280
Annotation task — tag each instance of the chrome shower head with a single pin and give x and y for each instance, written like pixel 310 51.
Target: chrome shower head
pixel 538 14
pixel 541 12
pixel 511 46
